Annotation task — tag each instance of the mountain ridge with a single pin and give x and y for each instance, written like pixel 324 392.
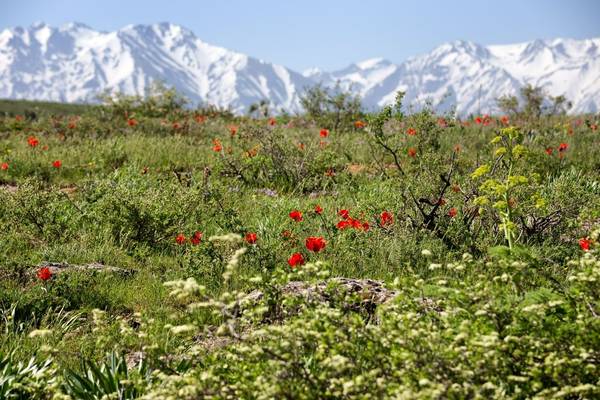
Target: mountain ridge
pixel 75 63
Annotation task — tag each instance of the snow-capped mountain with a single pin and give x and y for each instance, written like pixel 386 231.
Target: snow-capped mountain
pixel 75 63
pixel 471 77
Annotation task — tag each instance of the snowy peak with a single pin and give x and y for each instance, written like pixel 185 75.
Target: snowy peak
pixel 469 77
pixel 76 63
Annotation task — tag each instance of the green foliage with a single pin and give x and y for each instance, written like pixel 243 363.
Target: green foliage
pixel 334 109
pixel 109 379
pixel 160 101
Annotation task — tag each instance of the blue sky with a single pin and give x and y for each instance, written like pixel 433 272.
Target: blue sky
pixel 327 34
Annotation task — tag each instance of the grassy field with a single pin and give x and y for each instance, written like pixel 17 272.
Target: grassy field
pixel 132 236
pixel 27 108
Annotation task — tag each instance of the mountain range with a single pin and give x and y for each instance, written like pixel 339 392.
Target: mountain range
pixel 75 63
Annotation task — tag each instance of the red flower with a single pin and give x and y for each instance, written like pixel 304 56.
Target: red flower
pixel 217 145
pixel 365 226
pixel 295 260
pixel 585 243
pixel 272 121
pixel 505 120
pixel 315 244
pixel 344 213
pixel 4 166
pixel 44 273
pixel 411 131
pixel 296 215
pixel 318 209
pixel 442 122
pixel 19 118
pixel 343 224
pixel 412 152
pixel 356 224
pixel 250 238
pixel 594 127
pixel 549 150
pixel 195 239
pixel 33 141
pixel 200 118
pixel 57 164
pixel 180 239
pixel 386 218
pixel 176 125
pixel 478 120
pixel 233 130
pixel 359 124
pixel 132 122
pixel 324 133
pixel 562 147
pixel 72 125
pixel 330 172
pixel 452 212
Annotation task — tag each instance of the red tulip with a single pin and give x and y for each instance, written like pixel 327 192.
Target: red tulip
pixel 315 244
pixel 324 133
pixel 562 147
pixel 343 224
pixel 57 164
pixel 585 243
pixel 345 214
pixel 33 141
pixel 4 166
pixel 195 239
pixel 217 147
pixel 452 212
pixel 386 218
pixel 296 215
pixel 250 238
pixel 44 273
pixel 180 239
pixel 295 260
